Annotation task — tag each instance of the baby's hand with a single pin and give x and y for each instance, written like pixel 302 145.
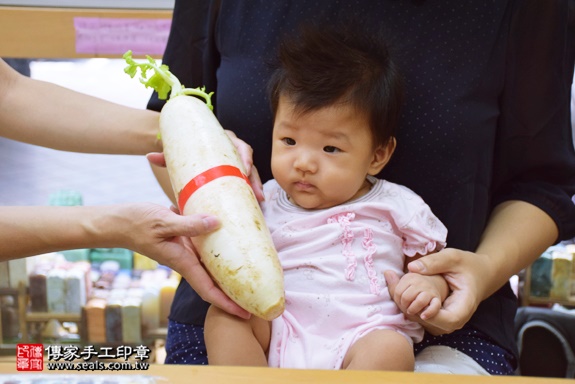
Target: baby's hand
pixel 420 295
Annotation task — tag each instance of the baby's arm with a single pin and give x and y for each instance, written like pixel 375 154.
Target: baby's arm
pixel 421 295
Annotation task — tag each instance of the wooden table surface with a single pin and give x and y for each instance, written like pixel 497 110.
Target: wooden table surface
pixel 246 375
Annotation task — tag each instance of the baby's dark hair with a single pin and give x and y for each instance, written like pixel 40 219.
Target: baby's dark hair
pixel 325 65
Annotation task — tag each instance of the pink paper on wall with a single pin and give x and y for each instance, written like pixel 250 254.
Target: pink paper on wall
pixel 105 36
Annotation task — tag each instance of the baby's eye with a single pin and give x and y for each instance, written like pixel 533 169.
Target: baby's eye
pixel 288 141
pixel 331 149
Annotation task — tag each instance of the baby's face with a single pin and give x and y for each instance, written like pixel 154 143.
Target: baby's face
pixel 321 158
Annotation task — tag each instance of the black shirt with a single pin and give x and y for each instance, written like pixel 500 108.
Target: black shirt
pixel 486 118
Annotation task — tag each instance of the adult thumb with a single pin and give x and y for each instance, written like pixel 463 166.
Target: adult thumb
pixel 192 225
pixel 157 159
pixel 434 263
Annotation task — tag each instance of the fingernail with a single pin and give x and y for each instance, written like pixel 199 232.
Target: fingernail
pixel 418 265
pixel 210 223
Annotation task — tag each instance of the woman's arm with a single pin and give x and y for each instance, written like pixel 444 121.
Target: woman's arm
pixel 516 234
pixel 534 165
pixel 46 114
pixel 147 228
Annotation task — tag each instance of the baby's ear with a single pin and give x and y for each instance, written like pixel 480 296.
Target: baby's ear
pixel 381 156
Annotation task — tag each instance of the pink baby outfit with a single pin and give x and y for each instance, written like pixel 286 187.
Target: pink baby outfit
pixel 333 260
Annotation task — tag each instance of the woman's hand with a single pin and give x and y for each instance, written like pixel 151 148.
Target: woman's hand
pixel 164 236
pixel 517 233
pixel 246 154
pixel 244 150
pixel 464 272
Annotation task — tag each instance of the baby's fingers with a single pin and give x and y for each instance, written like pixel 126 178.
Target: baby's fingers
pixel 419 303
pixel 432 309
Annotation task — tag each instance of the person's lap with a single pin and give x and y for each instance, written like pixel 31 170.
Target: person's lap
pixel 443 359
pixel 185 345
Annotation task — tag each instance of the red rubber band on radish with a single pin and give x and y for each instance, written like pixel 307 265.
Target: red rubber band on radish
pixel 204 178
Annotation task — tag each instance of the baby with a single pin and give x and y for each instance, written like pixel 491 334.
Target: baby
pixel 336 96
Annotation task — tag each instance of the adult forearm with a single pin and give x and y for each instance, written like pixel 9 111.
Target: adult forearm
pixel 516 235
pixel 27 231
pixel 46 114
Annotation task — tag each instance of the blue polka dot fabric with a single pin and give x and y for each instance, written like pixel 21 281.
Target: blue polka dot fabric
pixel 185 344
pixel 493 358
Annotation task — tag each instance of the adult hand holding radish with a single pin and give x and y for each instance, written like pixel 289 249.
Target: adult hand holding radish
pixel 245 152
pixel 208 177
pixel 93 125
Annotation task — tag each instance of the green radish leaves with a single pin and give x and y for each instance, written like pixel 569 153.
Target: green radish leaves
pixel 162 80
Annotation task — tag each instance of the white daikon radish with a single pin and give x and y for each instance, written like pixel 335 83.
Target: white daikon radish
pixel 207 176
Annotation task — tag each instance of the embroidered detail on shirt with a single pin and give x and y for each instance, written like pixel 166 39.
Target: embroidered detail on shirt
pixel 347 237
pixel 367 243
pixel 344 221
